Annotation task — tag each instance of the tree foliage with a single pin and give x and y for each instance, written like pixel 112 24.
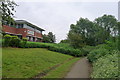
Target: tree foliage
pixel 50 38
pixel 109 23
pixel 76 40
pixel 11 41
pixel 64 41
pixel 7 9
pixel 119 36
pixel 93 32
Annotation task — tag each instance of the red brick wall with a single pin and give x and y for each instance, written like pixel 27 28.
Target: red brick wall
pixel 9 29
pixel 38 34
pixel 22 31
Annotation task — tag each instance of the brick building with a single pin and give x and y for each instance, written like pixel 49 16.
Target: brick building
pixel 24 29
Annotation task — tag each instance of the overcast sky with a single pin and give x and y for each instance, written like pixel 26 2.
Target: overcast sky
pixel 56 16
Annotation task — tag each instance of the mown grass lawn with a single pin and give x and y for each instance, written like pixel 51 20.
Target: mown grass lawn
pixel 26 63
pixel 61 71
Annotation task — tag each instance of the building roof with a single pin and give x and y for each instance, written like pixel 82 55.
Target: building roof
pixel 28 23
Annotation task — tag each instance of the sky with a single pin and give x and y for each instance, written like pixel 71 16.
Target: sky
pixel 57 16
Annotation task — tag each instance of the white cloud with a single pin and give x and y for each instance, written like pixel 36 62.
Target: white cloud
pixel 66 0
pixel 57 16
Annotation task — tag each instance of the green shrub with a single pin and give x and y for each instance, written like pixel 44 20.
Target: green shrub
pixel 102 46
pixel 73 52
pixel 35 45
pixel 106 66
pixel 12 41
pixel 15 41
pixel 24 39
pixel 61 48
pixel 97 53
pixel 7 39
pixel 23 42
pixel 101 50
pixel 112 45
pixel 104 58
pixel 88 48
pixel 109 46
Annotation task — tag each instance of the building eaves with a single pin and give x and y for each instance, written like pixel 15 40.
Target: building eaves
pixel 28 23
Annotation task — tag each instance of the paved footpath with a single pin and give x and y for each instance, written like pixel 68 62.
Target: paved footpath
pixel 81 69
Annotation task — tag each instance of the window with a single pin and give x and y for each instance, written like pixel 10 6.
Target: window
pixel 29 27
pixel 38 31
pixel 19 25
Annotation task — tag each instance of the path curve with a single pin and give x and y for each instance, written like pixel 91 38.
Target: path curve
pixel 81 69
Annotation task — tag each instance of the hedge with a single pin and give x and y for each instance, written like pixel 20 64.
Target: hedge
pixel 57 48
pixel 104 58
pixel 12 41
pixel 99 51
pixel 96 54
pixel 106 66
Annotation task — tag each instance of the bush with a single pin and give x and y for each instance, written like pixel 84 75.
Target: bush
pixel 23 42
pixel 7 39
pixel 73 52
pixel 12 41
pixel 100 51
pixel 104 58
pixel 97 53
pixel 34 45
pixel 112 45
pixel 109 46
pixel 88 49
pixel 103 46
pixel 106 66
pixel 15 41
pixel 24 39
pixel 61 48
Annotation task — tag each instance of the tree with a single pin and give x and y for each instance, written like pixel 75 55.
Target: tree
pixel 50 38
pixel 65 41
pixel 46 38
pixel 99 37
pixel 119 36
pixel 93 33
pixel 75 39
pixel 8 8
pixel 109 23
pixel 84 29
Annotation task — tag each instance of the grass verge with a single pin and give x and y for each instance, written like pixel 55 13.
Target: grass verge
pixel 62 70
pixel 26 63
